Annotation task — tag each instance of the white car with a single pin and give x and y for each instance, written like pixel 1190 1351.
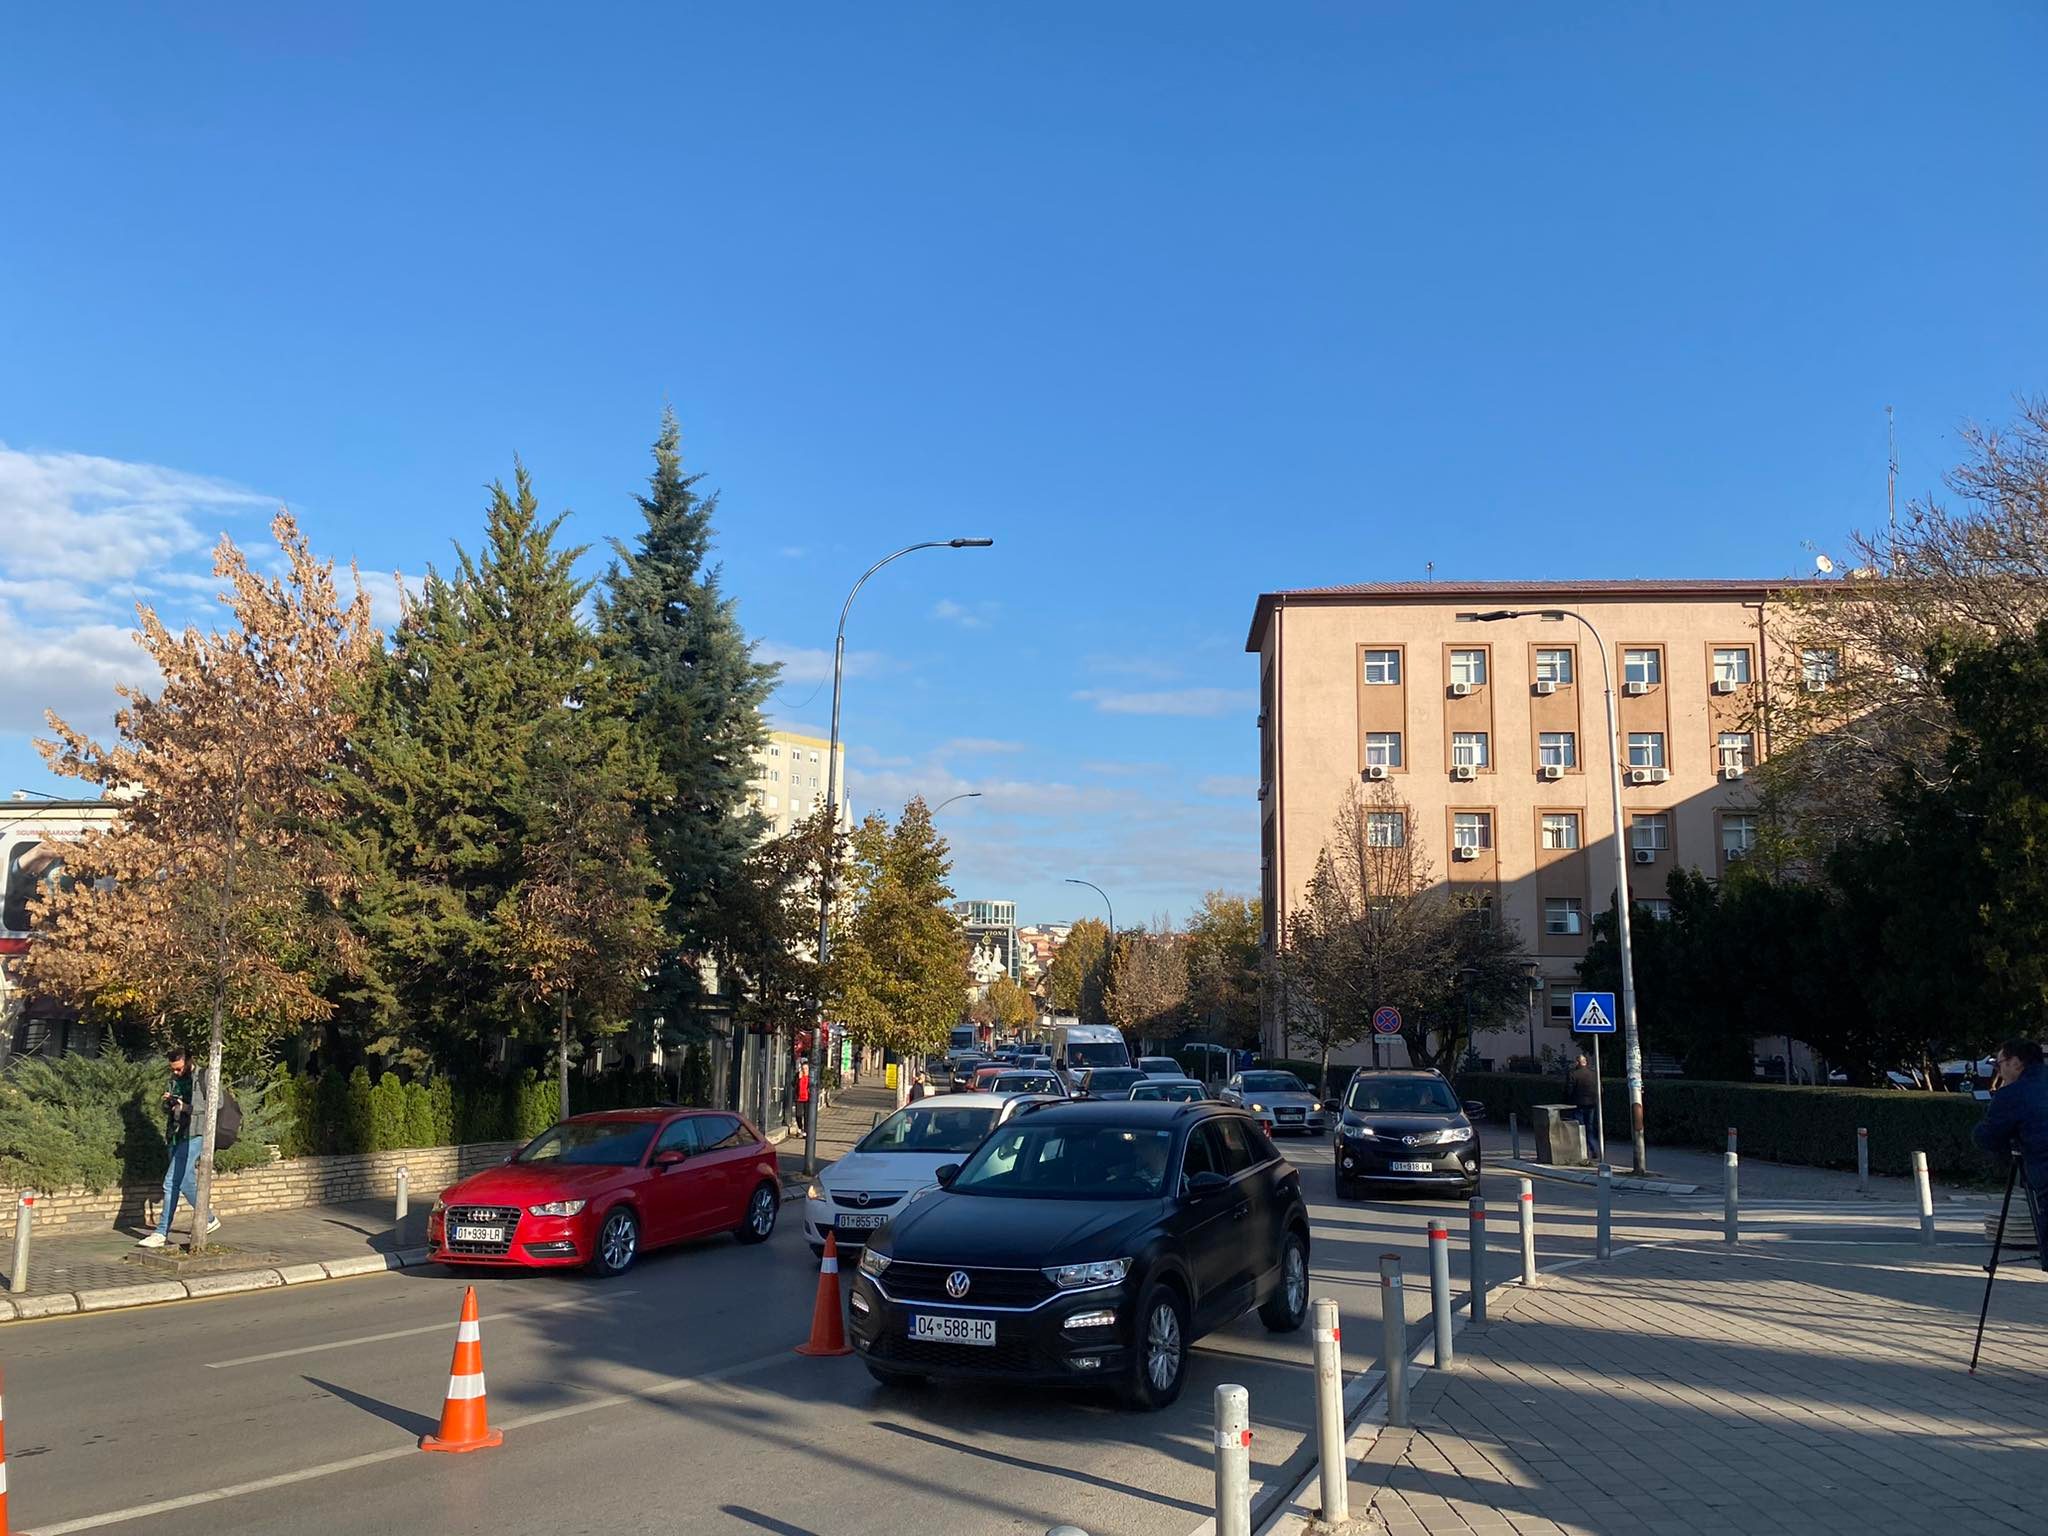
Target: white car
pixel 902 1155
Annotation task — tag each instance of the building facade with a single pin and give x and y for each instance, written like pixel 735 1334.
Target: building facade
pixel 788 781
pixel 992 949
pixel 1491 734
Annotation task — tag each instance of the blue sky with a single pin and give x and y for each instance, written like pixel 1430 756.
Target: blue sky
pixel 1177 301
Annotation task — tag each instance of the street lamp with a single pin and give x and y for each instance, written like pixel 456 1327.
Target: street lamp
pixel 972 794
pixel 1631 1039
pixel 832 855
pixel 1109 949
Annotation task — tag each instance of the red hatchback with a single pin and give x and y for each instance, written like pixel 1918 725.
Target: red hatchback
pixel 596 1189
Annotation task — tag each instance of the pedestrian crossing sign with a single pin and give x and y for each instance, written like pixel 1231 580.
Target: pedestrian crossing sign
pixel 1592 1013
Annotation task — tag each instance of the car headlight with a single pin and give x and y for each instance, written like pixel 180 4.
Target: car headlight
pixel 1258 1109
pixel 556 1208
pixel 873 1263
pixel 1069 1277
pixel 814 1191
pixel 1444 1138
pixel 440 1207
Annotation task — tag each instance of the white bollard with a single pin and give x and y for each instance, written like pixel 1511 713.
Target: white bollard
pixel 1527 1201
pixel 1926 1192
pixel 1394 1339
pixel 1336 1468
pixel 1440 1289
pixel 1730 1220
pixel 1731 1139
pixel 24 1225
pixel 1476 1244
pixel 1603 1230
pixel 1862 1159
pixel 1233 1462
pixel 404 1193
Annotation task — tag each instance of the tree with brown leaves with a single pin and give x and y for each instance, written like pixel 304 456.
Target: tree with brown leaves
pixel 212 903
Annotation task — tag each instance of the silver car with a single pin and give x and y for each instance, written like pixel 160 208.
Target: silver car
pixel 1280 1100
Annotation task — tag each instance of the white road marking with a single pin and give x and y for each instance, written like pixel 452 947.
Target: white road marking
pixel 405 1333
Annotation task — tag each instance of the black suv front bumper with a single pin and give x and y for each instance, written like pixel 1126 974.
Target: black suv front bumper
pixel 1033 1345
pixel 1371 1159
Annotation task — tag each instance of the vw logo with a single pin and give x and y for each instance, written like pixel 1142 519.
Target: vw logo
pixel 957 1283
pixel 861 1199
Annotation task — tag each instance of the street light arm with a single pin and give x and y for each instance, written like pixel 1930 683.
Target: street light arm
pixel 1098 890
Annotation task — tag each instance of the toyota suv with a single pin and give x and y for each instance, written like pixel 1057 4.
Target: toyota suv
pixel 1405 1128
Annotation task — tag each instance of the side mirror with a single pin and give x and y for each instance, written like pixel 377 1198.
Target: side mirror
pixel 1475 1109
pixel 946 1173
pixel 672 1157
pixel 1207 1185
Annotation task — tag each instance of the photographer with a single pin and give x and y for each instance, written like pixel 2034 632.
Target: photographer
pixel 184 1122
pixel 2018 1120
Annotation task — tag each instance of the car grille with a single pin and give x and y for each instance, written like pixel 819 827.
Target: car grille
pixel 506 1216
pixel 1012 1356
pixel 874 1202
pixel 985 1287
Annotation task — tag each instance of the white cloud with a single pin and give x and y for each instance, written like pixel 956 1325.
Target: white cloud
pixel 978 746
pixel 388 591
pixel 1147 667
pixel 1109 770
pixel 979 616
pixel 1189 702
pixel 813 664
pixel 72 671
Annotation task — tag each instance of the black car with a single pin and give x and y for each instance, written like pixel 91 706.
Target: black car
pixel 1087 1243
pixel 1107 1082
pixel 1405 1128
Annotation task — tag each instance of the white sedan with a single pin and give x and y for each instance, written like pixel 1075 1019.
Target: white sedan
pixel 902 1155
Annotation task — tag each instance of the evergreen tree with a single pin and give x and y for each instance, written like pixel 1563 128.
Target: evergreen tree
pixel 695 697
pixel 898 964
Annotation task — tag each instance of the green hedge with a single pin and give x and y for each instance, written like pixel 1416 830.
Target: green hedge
pixel 1809 1125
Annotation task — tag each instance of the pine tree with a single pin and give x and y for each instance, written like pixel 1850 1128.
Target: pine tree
pixel 696 697
pixel 897 972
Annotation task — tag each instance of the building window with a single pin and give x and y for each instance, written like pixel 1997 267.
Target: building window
pixel 1651 831
pixel 1731 664
pixel 1386 829
pixel 1383 749
pixel 1656 908
pixel 814 757
pixel 1737 751
pixel 1479 911
pixel 769 802
pixel 1563 916
pixel 1469 667
pixel 1560 829
pixel 1561 1009
pixel 1558 749
pixel 1820 668
pixel 1554 667
pixel 774 775
pixel 774 750
pixel 1383 667
pixel 1738 836
pixel 1468 749
pixel 1642 666
pixel 1646 749
pixel 1472 829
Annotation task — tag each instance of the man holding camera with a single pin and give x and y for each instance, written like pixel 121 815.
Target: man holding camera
pixel 2018 1121
pixel 184 1127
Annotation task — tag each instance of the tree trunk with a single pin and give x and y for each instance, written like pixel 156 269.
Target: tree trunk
pixel 562 1059
pixel 202 1184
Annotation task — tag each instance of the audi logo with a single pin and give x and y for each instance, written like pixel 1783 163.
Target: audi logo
pixel 957 1284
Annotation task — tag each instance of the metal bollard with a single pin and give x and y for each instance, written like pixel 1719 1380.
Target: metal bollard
pixel 1336 1469
pixel 1730 1221
pixel 1233 1462
pixel 1731 1139
pixel 1515 1134
pixel 1440 1290
pixel 1603 1229
pixel 1926 1191
pixel 404 1193
pixel 24 1226
pixel 1527 1201
pixel 1394 1339
pixel 1862 1159
pixel 1476 1243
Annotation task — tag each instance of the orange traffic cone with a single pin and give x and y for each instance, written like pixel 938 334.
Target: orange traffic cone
pixel 465 1420
pixel 3 1459
pixel 828 1325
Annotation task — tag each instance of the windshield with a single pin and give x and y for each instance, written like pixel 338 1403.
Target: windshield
pixel 1402 1096
pixel 1173 1093
pixel 1067 1162
pixel 606 1143
pixel 1096 1053
pixel 933 1128
pixel 1026 1082
pixel 1273 1082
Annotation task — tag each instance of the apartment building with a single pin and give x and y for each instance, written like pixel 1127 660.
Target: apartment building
pixel 1490 730
pixel 788 782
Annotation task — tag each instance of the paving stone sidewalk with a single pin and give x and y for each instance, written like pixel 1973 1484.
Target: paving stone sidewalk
pixel 1686 1391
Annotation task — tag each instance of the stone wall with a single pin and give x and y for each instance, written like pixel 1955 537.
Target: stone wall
pixel 282 1185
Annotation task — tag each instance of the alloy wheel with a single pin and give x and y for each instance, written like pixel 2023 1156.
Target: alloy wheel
pixel 618 1241
pixel 1297 1279
pixel 1162 1347
pixel 762 1217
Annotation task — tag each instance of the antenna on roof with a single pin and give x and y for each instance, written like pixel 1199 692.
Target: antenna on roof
pixel 1429 570
pixel 1891 484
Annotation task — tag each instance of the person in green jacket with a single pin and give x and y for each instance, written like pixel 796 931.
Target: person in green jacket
pixel 184 1127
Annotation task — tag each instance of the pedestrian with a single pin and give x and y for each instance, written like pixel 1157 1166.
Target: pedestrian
pixel 1585 1091
pixel 920 1086
pixel 2018 1121
pixel 184 1103
pixel 803 1089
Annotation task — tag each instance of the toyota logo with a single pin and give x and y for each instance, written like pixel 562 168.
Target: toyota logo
pixel 861 1199
pixel 957 1283
pixel 1410 1141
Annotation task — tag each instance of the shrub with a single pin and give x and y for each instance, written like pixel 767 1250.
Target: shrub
pixel 357 1119
pixel 440 1124
pixel 536 1108
pixel 695 1076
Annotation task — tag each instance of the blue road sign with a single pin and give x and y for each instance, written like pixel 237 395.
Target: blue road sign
pixel 1592 1013
pixel 1387 1021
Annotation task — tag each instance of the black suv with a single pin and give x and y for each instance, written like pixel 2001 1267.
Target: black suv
pixel 1405 1128
pixel 1085 1243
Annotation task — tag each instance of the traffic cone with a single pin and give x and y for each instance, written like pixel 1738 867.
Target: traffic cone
pixel 465 1420
pixel 828 1324
pixel 3 1458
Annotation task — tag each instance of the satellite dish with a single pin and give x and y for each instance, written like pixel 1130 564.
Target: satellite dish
pixel 1823 564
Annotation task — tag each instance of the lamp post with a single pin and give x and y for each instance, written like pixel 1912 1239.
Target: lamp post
pixel 972 794
pixel 1631 1038
pixel 1109 949
pixel 832 855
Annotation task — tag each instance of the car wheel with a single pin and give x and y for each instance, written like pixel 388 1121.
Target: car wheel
pixel 618 1240
pixel 889 1378
pixel 1287 1308
pixel 758 1225
pixel 1161 1355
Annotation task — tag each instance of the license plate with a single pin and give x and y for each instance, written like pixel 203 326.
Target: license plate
pixel 1413 1167
pixel 953 1330
pixel 479 1234
pixel 867 1221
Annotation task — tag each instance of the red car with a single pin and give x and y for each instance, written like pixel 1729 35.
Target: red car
pixel 596 1189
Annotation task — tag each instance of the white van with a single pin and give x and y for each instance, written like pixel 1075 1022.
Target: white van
pixel 1080 1047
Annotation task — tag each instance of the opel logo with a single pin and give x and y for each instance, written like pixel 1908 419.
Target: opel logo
pixel 861 1199
pixel 957 1283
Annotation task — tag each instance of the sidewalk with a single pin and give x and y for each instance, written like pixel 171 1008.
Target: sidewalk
pixel 1685 1390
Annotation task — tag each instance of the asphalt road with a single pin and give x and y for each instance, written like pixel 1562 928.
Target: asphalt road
pixel 668 1399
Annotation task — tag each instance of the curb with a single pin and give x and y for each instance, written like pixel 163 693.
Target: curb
pixel 228 1282
pixel 1588 1177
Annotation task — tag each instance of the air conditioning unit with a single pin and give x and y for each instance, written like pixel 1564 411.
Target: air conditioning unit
pixel 1815 685
pixel 1552 772
pixel 1546 688
pixel 1464 855
pixel 1731 771
pixel 1723 685
pixel 1464 773
pixel 1635 690
pixel 1646 855
pixel 1641 775
pixel 1734 855
pixel 1461 690
pixel 1375 771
